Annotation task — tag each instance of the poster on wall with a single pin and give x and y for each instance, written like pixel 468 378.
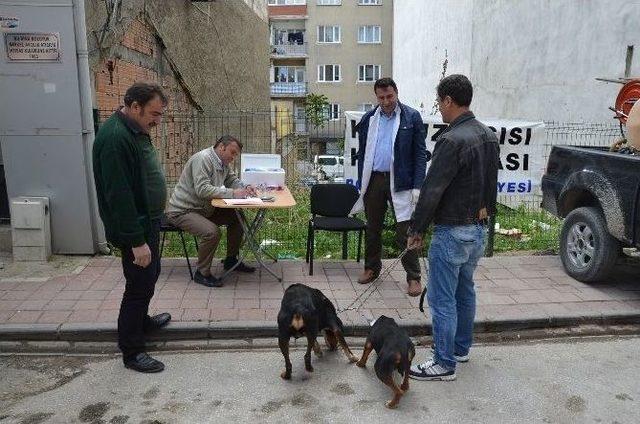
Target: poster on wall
pixel 521 152
pixel 8 22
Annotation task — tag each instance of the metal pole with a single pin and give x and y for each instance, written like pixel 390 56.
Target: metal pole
pixel 86 115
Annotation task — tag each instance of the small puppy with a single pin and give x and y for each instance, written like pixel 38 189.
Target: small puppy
pixel 395 351
pixel 305 312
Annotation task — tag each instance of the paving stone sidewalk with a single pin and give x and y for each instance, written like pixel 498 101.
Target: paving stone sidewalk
pixel 508 288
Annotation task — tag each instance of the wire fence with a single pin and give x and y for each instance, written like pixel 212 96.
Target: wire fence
pixel 313 154
pixel 527 226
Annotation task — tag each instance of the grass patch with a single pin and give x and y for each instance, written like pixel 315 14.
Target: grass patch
pixel 540 230
pixel 284 234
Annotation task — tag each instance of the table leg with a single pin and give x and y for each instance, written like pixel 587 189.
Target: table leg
pixel 258 224
pixel 251 227
pixel 250 232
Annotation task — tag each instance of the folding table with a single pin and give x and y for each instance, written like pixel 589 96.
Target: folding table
pixel 283 199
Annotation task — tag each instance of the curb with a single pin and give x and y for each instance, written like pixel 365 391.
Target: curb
pixel 231 330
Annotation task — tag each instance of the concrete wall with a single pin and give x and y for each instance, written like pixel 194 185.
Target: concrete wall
pixel 45 142
pixel 259 7
pixel 219 48
pixel 429 36
pixel 534 60
pixel 349 93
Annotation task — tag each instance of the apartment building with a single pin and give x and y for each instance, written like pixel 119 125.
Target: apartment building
pixel 333 47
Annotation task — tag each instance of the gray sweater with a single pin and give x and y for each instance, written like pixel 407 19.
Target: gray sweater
pixel 203 178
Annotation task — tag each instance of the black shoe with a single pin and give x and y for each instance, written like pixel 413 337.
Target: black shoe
pixel 157 321
pixel 142 362
pixel 209 281
pixel 230 261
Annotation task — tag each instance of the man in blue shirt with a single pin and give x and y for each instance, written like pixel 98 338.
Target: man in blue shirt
pixel 391 168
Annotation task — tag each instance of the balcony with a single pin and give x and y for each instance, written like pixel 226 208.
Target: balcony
pixel 288 89
pixel 293 50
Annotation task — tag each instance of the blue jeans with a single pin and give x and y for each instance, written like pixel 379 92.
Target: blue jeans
pixel 453 256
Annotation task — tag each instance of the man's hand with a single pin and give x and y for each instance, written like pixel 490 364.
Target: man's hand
pixel 240 193
pixel 142 255
pixel 414 241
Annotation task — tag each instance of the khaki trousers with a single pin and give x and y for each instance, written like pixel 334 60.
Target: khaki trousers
pixel 207 229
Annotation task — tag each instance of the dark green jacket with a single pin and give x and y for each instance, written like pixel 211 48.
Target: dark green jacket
pixel 120 178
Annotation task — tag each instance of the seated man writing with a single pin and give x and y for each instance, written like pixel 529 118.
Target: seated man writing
pixel 207 175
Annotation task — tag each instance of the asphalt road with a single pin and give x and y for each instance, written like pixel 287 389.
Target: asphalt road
pixel 570 381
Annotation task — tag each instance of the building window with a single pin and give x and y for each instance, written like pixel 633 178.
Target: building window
pixel 333 111
pixel 369 34
pixel 366 107
pixel 329 2
pixel 368 73
pixel 369 2
pixel 288 36
pixel 286 2
pixel 289 74
pixel 328 73
pixel 328 34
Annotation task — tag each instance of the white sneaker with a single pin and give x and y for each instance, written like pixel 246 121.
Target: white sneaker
pixel 430 371
pixel 458 358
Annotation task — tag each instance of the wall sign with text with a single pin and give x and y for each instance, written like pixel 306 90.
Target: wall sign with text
pixel 32 47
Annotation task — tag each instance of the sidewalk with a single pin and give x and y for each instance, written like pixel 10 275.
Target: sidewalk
pixel 84 294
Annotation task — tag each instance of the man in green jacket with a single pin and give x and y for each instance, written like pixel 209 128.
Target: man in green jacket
pixel 132 193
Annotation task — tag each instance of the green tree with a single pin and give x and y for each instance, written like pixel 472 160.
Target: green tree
pixel 316 107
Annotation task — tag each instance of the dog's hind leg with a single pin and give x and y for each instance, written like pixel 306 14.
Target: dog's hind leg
pixel 344 346
pixel 330 339
pixel 311 342
pixel 368 347
pixel 283 343
pixel 405 382
pixel 407 366
pixel 397 392
pixel 317 349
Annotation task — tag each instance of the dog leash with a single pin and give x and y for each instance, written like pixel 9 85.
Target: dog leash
pixel 373 286
pixel 426 281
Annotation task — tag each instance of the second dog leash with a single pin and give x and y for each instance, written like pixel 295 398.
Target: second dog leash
pixel 373 286
pixel 426 281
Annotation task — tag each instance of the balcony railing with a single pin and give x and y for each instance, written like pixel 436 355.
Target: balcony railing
pixel 288 89
pixel 289 50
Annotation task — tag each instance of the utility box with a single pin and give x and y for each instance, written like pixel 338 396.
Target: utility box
pixel 258 168
pixel 31 228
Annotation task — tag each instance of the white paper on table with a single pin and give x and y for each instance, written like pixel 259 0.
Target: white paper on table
pixel 247 201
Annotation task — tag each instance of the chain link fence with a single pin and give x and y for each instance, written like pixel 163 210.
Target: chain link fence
pixel 527 226
pixel 314 153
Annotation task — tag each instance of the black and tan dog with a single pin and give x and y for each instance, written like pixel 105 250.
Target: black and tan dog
pixel 395 352
pixel 305 312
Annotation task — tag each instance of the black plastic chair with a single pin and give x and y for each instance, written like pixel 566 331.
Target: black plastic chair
pixel 166 227
pixel 330 207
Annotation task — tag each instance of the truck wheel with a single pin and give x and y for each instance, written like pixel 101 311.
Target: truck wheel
pixel 587 250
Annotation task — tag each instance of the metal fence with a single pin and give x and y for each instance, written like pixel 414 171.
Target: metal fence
pixel 298 141
pixel 527 226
